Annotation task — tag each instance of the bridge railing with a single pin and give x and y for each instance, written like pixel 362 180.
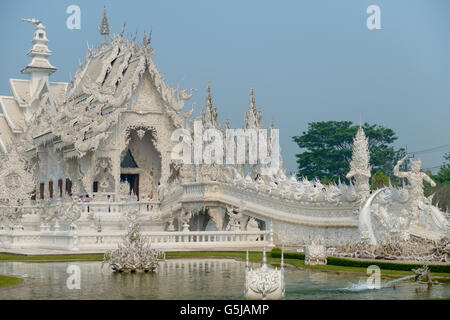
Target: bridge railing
pixel 168 240
pixel 122 206
pixel 95 206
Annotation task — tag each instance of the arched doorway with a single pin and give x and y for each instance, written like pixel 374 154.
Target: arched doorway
pixel 141 163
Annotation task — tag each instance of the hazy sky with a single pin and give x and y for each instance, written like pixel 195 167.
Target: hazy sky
pixel 311 60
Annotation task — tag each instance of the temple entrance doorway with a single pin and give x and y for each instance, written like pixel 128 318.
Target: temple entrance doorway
pixel 141 163
pixel 133 181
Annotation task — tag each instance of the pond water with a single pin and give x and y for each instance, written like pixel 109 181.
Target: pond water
pixel 195 279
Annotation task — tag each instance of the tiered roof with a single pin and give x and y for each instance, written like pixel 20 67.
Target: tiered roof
pixel 103 87
pixel 29 95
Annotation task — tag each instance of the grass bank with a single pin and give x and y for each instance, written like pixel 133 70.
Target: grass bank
pixel 8 281
pixel 297 260
pixel 51 258
pixel 386 265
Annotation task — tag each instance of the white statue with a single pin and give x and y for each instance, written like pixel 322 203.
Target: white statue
pixel 264 283
pixel 234 215
pixel 134 253
pixel 315 254
pixel 415 177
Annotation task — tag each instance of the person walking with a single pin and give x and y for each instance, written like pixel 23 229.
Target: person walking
pixel 109 202
pixel 87 199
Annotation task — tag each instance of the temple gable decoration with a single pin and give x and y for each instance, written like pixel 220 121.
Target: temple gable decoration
pixel 17 182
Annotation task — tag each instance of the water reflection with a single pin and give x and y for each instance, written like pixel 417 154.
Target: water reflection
pixel 191 279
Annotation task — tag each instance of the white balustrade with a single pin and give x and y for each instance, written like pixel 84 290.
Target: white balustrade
pixel 176 240
pixel 105 206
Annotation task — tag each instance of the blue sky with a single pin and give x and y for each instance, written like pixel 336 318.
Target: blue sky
pixel 307 60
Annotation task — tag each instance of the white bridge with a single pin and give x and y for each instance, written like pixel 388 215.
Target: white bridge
pixel 102 224
pixel 178 222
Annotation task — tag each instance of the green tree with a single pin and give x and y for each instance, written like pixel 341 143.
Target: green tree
pixel 325 180
pixel 443 176
pixel 379 180
pixel 441 196
pixel 442 190
pixel 328 149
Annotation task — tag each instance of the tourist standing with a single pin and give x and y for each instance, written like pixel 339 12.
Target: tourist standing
pixel 87 199
pixel 109 202
pixel 149 198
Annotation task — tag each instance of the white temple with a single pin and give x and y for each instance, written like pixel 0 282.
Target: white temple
pixel 107 134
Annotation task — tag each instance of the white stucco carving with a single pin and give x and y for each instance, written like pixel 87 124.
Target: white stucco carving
pixel 264 283
pixel 109 131
pixel 359 166
pixel 17 178
pixel 315 254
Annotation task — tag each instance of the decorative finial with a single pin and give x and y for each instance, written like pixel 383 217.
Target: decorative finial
pixel 134 36
pixel 149 39
pixel 264 256
pixel 123 29
pixel 39 65
pixel 208 96
pixel 227 123
pixel 104 26
pixel 252 98
pixel 32 21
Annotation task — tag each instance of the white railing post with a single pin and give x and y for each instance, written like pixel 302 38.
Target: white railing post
pixel 271 233
pixel 74 237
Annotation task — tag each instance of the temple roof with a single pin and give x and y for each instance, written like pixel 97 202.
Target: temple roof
pixel 13 109
pixel 20 88
pixel 104 85
pixel 6 136
pixel 59 90
pixel 13 115
pixel 106 66
pixel 81 113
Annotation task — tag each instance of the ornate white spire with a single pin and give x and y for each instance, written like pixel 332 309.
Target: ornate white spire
pixel 360 156
pixel 359 166
pixel 209 113
pixel 252 104
pixel 39 67
pixel 252 118
pixel 104 26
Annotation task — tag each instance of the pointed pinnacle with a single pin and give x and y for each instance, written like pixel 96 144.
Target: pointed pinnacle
pixel 123 29
pixel 104 26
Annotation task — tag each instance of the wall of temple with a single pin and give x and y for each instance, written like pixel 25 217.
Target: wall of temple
pixel 52 171
pixel 327 235
pixel 146 112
